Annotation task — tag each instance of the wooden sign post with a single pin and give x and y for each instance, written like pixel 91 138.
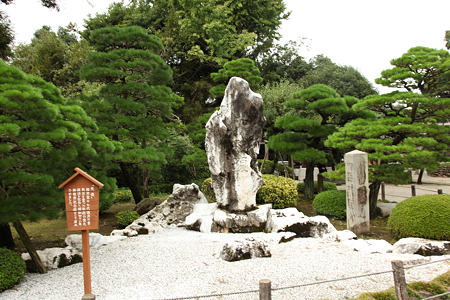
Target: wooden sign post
pixel 82 200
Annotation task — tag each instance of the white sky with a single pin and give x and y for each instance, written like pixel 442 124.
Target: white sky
pixel 362 34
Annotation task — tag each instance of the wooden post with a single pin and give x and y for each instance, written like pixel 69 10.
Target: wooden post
pixel 439 192
pixel 86 262
pixel 265 290
pixel 319 183
pixel 383 191
pixel 413 190
pixel 399 279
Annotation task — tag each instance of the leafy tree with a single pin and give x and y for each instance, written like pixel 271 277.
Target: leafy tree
pixel 242 67
pixel 6 36
pixel 304 138
pixel 6 32
pixel 283 63
pixel 346 80
pixel 406 136
pixel 135 103
pixel 57 58
pixel 199 37
pixel 42 138
pixel 421 69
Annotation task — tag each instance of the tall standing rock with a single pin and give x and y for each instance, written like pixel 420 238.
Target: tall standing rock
pixel 233 135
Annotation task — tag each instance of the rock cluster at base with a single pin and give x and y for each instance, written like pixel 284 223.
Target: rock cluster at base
pixel 245 249
pixel 420 246
pixel 54 258
pixel 169 213
pixel 233 136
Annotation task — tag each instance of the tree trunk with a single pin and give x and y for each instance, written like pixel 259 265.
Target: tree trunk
pixel 30 248
pixel 374 189
pixel 419 179
pixel 309 180
pixel 6 238
pixel 274 165
pixel 145 181
pixel 131 183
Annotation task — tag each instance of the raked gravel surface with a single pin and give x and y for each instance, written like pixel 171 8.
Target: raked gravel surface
pixel 177 263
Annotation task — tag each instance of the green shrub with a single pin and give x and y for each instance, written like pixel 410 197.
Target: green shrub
pixel 127 217
pixel 123 195
pixel 327 186
pixel 278 190
pixel 162 188
pixel 332 203
pixel 12 268
pixel 208 191
pixel 421 216
pixel 268 166
pixel 105 203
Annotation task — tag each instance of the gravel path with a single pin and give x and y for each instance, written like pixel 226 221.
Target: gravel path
pixel 180 263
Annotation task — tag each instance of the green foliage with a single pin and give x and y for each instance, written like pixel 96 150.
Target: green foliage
pixel 123 195
pixel 208 191
pixel 162 188
pixel 431 287
pixel 127 217
pixel 6 36
pixel 199 37
pixel 421 68
pixel 105 204
pixel 331 203
pixel 47 136
pixel 283 63
pixel 268 164
pixel 327 186
pixel 275 95
pixel 12 268
pixel 303 136
pixel 278 190
pixel 345 80
pixel 57 58
pixel 243 67
pixel 421 216
pixel 135 103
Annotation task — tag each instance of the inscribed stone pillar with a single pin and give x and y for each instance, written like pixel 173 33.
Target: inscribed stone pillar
pixel 357 180
pixel 233 135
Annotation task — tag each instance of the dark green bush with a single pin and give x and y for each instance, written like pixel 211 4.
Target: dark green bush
pixel 12 268
pixel 278 190
pixel 424 216
pixel 268 166
pixel 127 217
pixel 331 203
pixel 105 204
pixel 163 188
pixel 208 191
pixel 327 186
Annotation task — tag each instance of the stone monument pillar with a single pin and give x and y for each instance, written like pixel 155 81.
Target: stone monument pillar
pixel 232 142
pixel 357 180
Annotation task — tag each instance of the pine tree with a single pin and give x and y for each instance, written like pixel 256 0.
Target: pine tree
pixel 320 111
pixel 135 103
pixel 42 138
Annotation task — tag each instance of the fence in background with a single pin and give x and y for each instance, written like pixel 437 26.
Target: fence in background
pixel 265 285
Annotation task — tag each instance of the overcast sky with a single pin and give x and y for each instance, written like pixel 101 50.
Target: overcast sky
pixel 362 34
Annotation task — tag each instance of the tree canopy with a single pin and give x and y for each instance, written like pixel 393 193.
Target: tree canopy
pixel 43 137
pixel 304 135
pixel 345 80
pixel 135 101
pixel 422 69
pixel 199 37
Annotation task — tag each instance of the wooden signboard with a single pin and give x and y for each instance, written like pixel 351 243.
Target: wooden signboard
pixel 81 193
